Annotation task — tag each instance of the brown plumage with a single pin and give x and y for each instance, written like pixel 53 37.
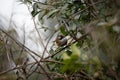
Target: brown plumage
pixel 61 40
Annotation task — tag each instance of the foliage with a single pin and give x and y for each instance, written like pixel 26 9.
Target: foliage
pixel 93 49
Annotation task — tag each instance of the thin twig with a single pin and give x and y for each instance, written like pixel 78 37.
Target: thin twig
pixel 47 45
pixel 36 27
pixel 21 45
pixel 81 38
pixel 77 13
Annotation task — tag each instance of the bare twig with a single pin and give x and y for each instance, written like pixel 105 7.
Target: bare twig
pixel 20 44
pixel 81 38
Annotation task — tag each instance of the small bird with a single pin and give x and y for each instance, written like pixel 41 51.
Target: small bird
pixel 61 40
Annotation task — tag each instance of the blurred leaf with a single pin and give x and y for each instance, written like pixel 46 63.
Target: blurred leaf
pixel 71 62
pixel 63 30
pixel 26 1
pixel 75 51
pixel 34 13
pixel 52 13
pixel 96 60
pixel 41 15
pixel 65 56
pixel 69 52
pixel 67 65
pixel 35 9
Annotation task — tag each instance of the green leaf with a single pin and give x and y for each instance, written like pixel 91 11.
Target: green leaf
pixel 66 67
pixel 76 52
pixel 41 15
pixel 51 13
pixel 96 60
pixel 63 31
pixel 65 56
